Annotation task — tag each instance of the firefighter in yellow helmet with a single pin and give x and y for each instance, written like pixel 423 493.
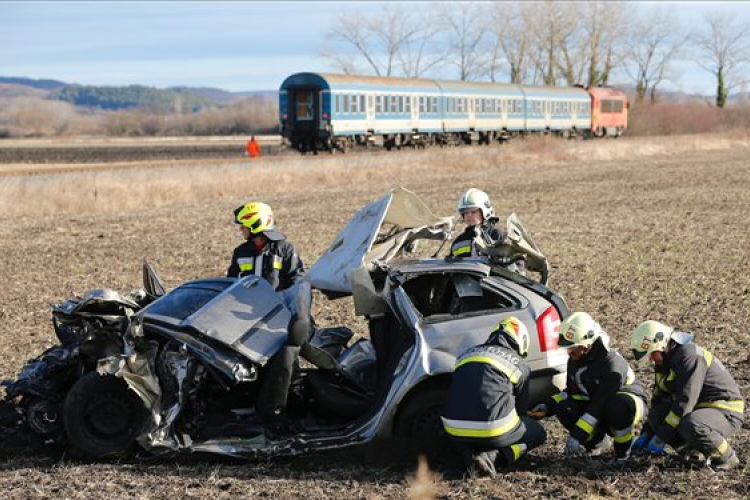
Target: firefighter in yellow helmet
pixel 485 414
pixel 602 397
pixel 265 252
pixel 696 405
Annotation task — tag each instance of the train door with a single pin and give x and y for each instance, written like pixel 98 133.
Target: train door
pixel 370 112
pixel 414 111
pixel 303 107
pixel 547 114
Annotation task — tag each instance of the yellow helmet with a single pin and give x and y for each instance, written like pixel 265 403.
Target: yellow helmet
pixel 515 331
pixel 474 198
pixel 578 329
pixel 255 216
pixel 648 337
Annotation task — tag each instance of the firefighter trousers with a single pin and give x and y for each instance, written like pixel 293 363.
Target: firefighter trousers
pixel 507 449
pixel 619 419
pixel 704 429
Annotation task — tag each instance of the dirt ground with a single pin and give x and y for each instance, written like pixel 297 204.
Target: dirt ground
pixel 662 236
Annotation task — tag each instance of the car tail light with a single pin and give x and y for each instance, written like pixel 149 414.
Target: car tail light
pixel 548 328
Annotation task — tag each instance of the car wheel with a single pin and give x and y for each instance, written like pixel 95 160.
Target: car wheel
pixel 419 419
pixel 102 416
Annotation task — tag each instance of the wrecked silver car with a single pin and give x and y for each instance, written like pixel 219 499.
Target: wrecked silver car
pixel 214 365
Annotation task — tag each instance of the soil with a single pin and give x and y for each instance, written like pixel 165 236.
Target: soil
pixel 662 237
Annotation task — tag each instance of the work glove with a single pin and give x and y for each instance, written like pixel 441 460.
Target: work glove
pixel 539 412
pixel 574 448
pixel 639 445
pixel 656 446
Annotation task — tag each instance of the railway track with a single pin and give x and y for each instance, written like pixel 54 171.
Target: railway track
pixel 71 158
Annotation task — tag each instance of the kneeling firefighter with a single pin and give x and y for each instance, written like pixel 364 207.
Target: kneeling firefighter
pixel 697 405
pixel 485 415
pixel 602 397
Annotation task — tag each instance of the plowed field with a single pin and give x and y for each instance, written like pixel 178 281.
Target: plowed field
pixel 661 234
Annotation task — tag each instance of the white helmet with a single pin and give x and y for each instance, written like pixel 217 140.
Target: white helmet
pixel 648 337
pixel 474 198
pixel 579 329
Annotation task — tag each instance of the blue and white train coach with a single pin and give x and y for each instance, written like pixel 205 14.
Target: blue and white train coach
pixel 331 111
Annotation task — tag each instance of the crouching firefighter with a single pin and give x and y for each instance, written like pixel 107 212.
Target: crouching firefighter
pixel 696 405
pixel 602 397
pixel 485 415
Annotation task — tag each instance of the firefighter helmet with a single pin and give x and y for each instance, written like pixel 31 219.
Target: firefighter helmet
pixel 516 332
pixel 579 329
pixel 474 198
pixel 255 216
pixel 648 337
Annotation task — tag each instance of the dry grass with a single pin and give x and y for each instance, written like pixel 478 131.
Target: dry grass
pixel 109 192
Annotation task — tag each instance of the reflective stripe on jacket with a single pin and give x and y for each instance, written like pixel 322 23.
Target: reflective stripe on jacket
pixel 277 262
pixel 488 392
pixel 473 238
pixel 596 378
pixel 693 378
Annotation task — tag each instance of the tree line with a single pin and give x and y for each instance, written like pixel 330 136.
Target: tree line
pixel 540 43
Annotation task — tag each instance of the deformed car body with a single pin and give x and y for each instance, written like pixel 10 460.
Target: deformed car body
pixel 190 367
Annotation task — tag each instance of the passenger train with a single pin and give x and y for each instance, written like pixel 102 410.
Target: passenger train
pixel 320 111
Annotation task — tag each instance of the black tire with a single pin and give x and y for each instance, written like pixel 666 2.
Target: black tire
pixel 102 416
pixel 419 419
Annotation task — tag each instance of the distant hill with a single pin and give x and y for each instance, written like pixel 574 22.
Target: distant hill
pixel 221 96
pixel 30 82
pixel 11 91
pixel 132 96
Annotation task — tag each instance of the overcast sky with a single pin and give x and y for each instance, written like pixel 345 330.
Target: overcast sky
pixel 230 45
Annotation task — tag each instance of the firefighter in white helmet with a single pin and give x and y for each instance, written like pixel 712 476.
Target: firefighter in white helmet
pixel 696 405
pixel 479 217
pixel 602 397
pixel 485 414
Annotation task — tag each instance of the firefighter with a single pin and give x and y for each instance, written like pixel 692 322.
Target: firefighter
pixel 479 217
pixel 602 397
pixel 265 252
pixel 253 148
pixel 696 405
pixel 485 415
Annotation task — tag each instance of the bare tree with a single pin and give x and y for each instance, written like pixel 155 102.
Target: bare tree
pixel 419 53
pixel 655 41
pixel 465 27
pixel 351 29
pixel 723 50
pixel 393 41
pixel 552 26
pixel 511 40
pixel 603 29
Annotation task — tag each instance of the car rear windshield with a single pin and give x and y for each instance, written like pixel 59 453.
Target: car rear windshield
pixel 185 300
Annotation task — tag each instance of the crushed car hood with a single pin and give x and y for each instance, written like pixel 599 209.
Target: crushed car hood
pixel 376 234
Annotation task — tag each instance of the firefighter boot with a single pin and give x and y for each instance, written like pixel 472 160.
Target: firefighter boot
pixel 729 463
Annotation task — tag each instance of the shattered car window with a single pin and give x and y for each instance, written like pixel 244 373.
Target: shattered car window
pixel 183 301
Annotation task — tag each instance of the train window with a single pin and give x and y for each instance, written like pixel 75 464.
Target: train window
pixel 422 107
pixel 370 100
pixel 362 107
pixel 378 103
pixel 336 103
pixel 304 105
pixel 407 104
pixel 433 105
pixel 354 104
pixel 611 106
pixel 346 103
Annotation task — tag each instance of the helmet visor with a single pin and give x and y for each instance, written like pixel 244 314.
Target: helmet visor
pixel 638 354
